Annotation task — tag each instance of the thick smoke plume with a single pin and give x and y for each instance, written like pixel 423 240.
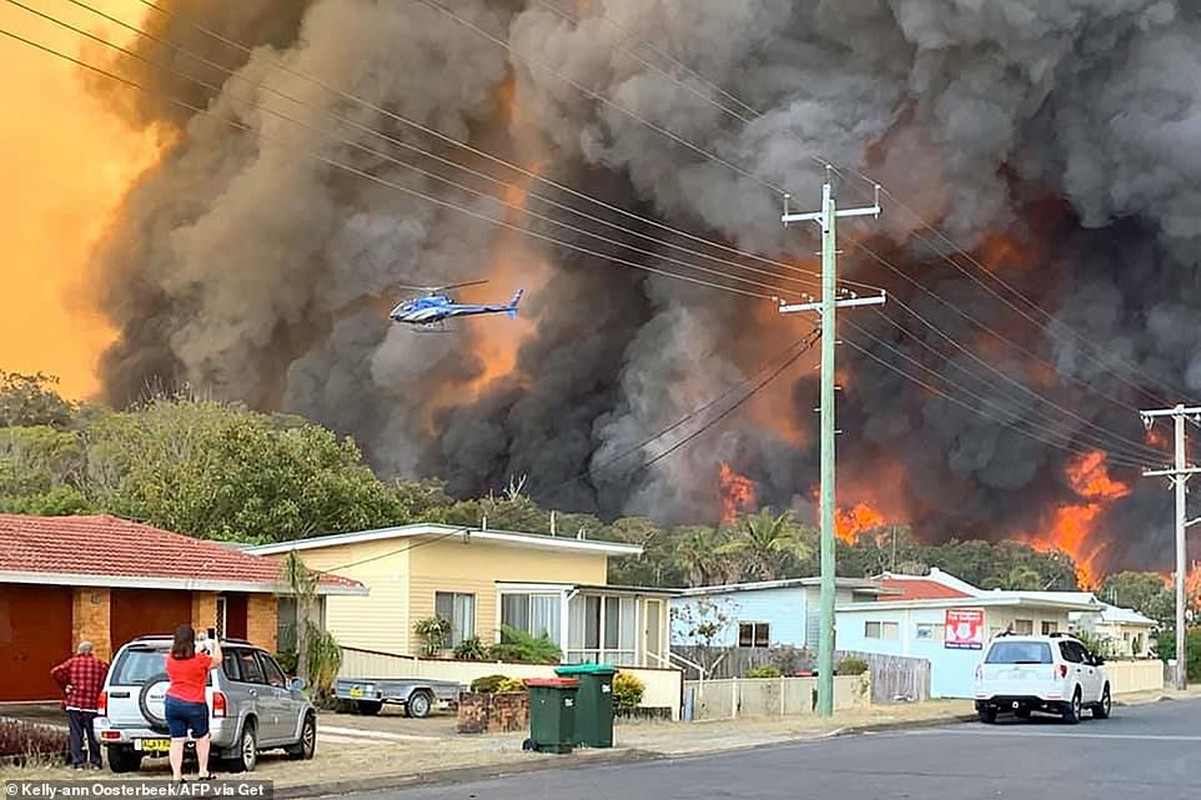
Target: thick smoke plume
pixel 1058 139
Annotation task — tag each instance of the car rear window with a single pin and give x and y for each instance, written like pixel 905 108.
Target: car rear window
pixel 136 665
pixel 1019 653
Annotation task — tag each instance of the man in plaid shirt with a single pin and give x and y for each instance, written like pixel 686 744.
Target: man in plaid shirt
pixel 81 678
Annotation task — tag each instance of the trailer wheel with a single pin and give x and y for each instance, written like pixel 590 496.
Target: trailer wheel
pixel 419 704
pixel 370 708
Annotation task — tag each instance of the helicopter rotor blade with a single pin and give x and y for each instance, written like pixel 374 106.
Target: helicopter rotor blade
pixel 439 288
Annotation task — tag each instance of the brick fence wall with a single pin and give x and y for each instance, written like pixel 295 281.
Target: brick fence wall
pixel 493 713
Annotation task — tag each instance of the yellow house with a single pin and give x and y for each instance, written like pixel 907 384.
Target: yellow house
pixel 479 579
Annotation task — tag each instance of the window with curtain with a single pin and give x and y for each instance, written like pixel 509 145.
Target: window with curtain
pixel 459 608
pixel 602 629
pixel 533 613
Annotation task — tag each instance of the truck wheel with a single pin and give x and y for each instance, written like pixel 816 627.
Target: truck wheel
pixel 419 705
pixel 245 755
pixel 369 707
pixel 1103 709
pixel 304 749
pixel 1072 711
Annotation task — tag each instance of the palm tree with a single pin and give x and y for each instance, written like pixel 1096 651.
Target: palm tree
pixel 766 542
pixel 701 557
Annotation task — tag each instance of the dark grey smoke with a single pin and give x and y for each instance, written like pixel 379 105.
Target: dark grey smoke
pixel 1071 127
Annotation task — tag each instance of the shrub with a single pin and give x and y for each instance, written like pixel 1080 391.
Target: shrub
pixel 523 648
pixel 763 672
pixel 434 632
pixel 851 666
pixel 488 684
pixel 627 691
pixel 471 650
pixel 510 685
pixel 26 741
pixel 287 661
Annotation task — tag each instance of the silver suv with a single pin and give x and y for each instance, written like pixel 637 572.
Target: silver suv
pixel 252 706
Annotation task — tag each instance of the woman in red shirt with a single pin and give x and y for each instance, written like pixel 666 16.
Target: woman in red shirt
pixel 186 705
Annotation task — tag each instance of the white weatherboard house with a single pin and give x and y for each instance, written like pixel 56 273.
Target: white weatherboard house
pixel 949 622
pixel 762 614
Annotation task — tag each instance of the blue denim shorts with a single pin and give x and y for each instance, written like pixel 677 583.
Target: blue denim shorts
pixel 182 716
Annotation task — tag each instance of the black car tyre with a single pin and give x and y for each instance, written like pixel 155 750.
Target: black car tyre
pixel 245 755
pixel 419 705
pixel 304 749
pixel 1103 709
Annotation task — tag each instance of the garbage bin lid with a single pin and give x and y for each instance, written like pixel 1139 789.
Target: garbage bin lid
pixel 558 683
pixel 585 669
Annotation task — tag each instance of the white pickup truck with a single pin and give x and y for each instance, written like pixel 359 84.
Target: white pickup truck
pixel 1054 673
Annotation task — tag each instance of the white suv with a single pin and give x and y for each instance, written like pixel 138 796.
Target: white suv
pixel 1053 673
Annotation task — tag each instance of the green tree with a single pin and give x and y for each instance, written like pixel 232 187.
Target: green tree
pixel 222 472
pixel 1145 592
pixel 32 400
pixel 701 555
pixel 765 544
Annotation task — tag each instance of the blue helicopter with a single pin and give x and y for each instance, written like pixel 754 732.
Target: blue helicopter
pixel 436 306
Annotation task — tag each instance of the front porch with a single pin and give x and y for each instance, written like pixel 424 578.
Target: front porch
pixel 619 625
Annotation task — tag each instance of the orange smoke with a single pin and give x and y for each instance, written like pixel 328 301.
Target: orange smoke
pixel 67 163
pixel 737 493
pixel 848 524
pixel 1072 524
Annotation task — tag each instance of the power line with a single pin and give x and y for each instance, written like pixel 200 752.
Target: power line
pixel 434 4
pixel 1050 326
pixel 1104 438
pixel 529 174
pixel 398 142
pixel 809 342
pixel 562 14
pixel 387 157
pixel 788 356
pixel 1067 445
pixel 985 327
pixel 375 178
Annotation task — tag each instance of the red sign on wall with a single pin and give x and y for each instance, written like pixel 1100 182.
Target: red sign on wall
pixel 965 629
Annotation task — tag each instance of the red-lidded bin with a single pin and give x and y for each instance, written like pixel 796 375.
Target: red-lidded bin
pixel 552 714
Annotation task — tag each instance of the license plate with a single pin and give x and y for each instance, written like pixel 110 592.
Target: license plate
pixel 356 691
pixel 152 745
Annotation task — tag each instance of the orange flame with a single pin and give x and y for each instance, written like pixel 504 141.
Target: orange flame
pixel 849 524
pixel 1072 524
pixel 737 493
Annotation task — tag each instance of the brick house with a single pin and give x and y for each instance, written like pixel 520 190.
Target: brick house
pixel 108 580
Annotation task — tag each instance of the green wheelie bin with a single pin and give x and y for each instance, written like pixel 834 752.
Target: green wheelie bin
pixel 594 706
pixel 552 714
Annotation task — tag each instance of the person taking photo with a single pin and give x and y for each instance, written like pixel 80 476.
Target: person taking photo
pixel 188 666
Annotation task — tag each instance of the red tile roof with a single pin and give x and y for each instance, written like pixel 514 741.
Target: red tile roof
pixel 129 553
pixel 918 589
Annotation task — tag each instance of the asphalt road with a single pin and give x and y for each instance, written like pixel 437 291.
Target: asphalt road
pixel 1150 752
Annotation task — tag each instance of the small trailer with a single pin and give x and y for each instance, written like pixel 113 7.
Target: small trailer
pixel 418 696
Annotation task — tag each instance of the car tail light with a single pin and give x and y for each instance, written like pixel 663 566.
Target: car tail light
pixel 102 705
pixel 110 735
pixel 220 705
pixel 1063 670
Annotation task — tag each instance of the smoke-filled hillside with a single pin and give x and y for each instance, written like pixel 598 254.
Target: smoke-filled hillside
pixel 1055 142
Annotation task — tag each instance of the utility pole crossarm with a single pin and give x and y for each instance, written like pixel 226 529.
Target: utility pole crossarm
pixel 876 300
pixel 1156 473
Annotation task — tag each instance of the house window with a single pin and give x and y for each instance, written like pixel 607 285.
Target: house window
pixel 754 634
pixel 1023 627
pixel 929 631
pixel 535 614
pixel 1050 627
pixel 882 630
pixel 459 609
pixel 602 629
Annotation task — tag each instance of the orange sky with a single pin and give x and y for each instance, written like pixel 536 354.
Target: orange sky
pixel 64 163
